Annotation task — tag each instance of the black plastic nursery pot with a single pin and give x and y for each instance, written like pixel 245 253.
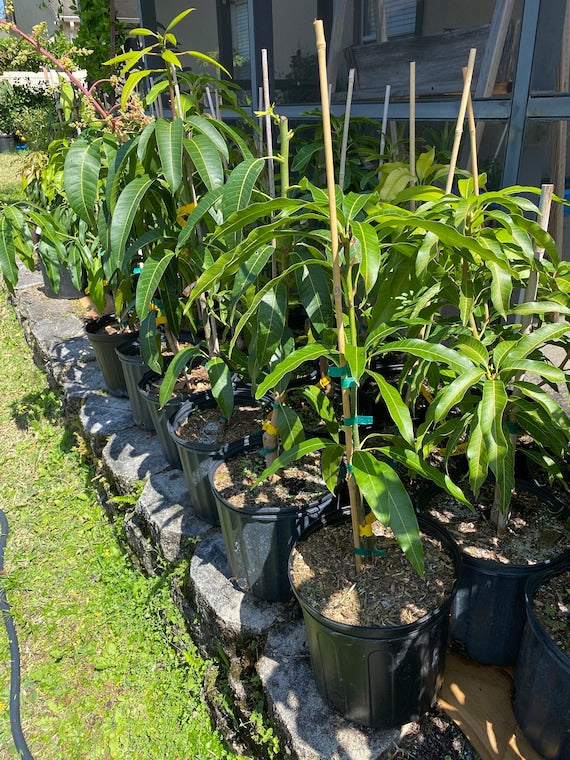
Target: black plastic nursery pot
pixel 160 416
pixel 196 457
pixel 488 612
pixel 541 696
pixel 67 290
pixel 104 345
pixel 134 369
pixel 381 677
pixel 259 540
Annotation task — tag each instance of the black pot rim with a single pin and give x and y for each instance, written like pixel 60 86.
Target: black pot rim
pixel 384 632
pixel 95 324
pixel 531 587
pixel 510 568
pixel 254 443
pixel 203 400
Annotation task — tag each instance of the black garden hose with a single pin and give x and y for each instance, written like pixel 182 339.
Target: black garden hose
pixel 15 722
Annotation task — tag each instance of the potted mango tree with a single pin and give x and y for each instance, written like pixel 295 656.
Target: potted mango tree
pixel 485 360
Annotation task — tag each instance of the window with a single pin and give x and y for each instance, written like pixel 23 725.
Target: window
pixel 400 18
pixel 240 33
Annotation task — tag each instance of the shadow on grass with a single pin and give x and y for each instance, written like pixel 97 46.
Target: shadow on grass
pixel 32 408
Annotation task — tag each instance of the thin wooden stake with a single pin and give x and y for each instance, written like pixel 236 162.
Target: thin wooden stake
pixel 473 139
pixel 545 205
pixel 337 285
pixel 384 125
pixel 345 128
pixel 461 119
pixel 269 143
pixel 413 126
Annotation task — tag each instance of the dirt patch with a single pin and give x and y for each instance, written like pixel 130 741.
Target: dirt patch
pixel 194 381
pixel 299 484
pixel 209 428
pixel 534 533
pixel 386 592
pixel 551 605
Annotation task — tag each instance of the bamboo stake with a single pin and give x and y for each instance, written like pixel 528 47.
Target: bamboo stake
pixel 337 285
pixel 473 139
pixel 461 119
pixel 210 101
pixel 268 132
pixel 384 124
pixel 413 126
pixel 345 129
pixel 545 205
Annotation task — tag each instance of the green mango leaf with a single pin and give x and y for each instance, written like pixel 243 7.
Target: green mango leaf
pixel 322 405
pixel 368 253
pixel 315 295
pixel 238 188
pixel 176 20
pixel 390 503
pixel 210 129
pixel 473 349
pixel 434 353
pixel 477 454
pixel 222 386
pixel 128 205
pixel 8 253
pixel 290 427
pixel 534 340
pixel 249 271
pixel 555 412
pixel 501 288
pixel 82 167
pixel 177 366
pixel 149 341
pixel 500 455
pixel 270 323
pixel 150 278
pixel 205 205
pixel 131 83
pixel 169 137
pixel 451 395
pixel 354 203
pixel 540 307
pixel 397 408
pixel 307 353
pixel 331 460
pixel 356 359
pixel 414 462
pixel 543 369
pixel 308 446
pixel 206 159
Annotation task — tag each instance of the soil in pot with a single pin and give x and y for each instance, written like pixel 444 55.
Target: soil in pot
pixel 195 381
pixel 299 483
pixel 200 432
pixel 377 651
pixel 105 335
pixel 488 613
pixel 259 525
pixel 387 592
pixel 551 606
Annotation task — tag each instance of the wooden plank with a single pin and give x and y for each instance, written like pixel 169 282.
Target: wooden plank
pixel 478 699
pixel 491 58
pixel 335 45
pixel 381 28
pixel 439 60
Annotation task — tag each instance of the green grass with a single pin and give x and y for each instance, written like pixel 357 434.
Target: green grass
pixel 101 677
pixel 11 165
